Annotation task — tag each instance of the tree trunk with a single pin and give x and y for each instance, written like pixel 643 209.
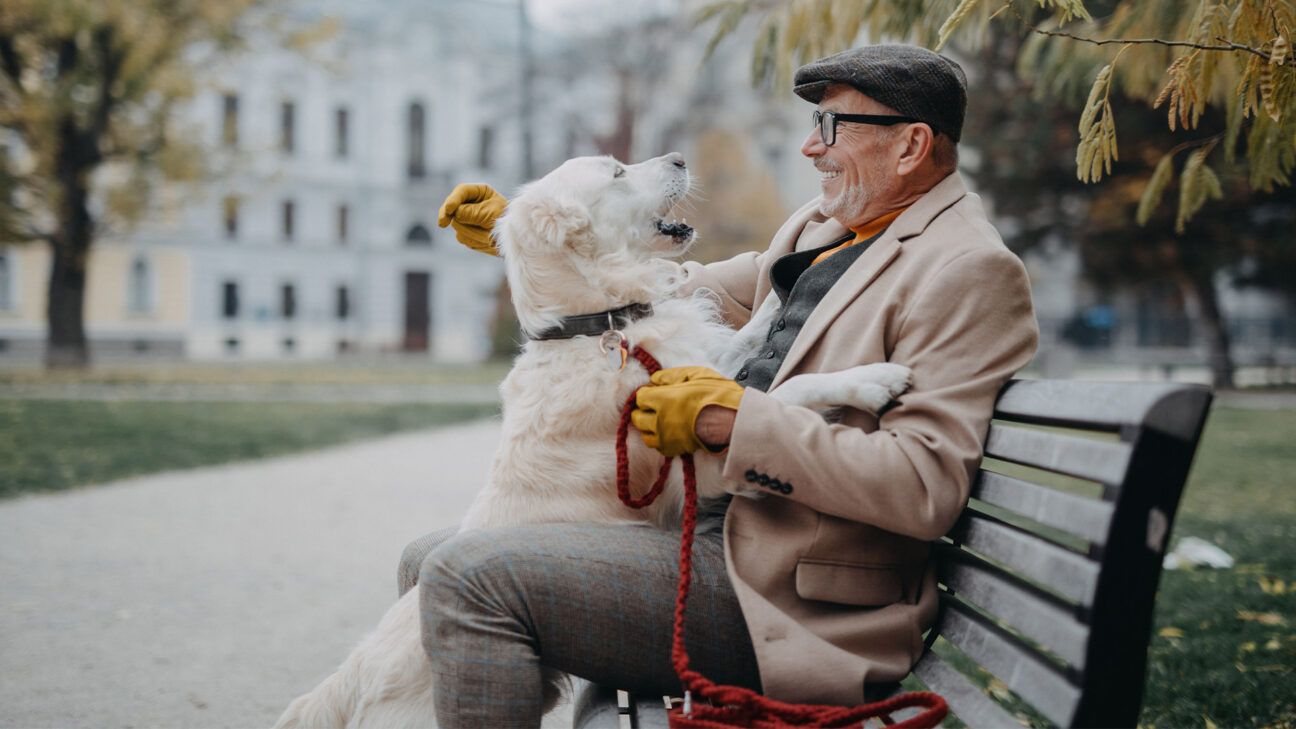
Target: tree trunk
pixel 66 345
pixel 1219 347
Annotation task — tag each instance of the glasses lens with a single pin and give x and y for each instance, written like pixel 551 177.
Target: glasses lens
pixel 827 129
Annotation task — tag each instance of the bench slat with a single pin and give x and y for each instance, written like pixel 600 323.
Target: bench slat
pixel 965 700
pixel 1020 608
pixel 1064 572
pixel 1037 682
pixel 1085 518
pixel 1094 460
pixel 1102 405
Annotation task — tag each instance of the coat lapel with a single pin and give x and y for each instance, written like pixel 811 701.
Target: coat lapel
pixel 867 267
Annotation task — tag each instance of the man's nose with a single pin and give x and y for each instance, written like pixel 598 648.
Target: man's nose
pixel 674 158
pixel 813 145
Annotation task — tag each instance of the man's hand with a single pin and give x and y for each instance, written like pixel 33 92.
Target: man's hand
pixel 667 409
pixel 473 209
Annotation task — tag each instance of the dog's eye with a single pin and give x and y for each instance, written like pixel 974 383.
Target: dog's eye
pixel 620 172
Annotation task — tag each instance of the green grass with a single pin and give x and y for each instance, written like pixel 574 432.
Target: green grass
pixel 1234 664
pixel 50 445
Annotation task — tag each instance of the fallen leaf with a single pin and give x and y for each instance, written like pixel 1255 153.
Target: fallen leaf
pixel 1248 647
pixel 1273 645
pixel 1209 724
pixel 1262 618
pixel 1240 668
pixel 1170 633
pixel 998 689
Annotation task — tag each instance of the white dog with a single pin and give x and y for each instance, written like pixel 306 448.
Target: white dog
pixel 591 237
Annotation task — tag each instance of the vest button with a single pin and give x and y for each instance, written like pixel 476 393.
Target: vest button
pixel 750 475
pixel 780 325
pixel 770 354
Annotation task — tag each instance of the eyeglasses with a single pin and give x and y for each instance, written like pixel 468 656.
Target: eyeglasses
pixel 827 122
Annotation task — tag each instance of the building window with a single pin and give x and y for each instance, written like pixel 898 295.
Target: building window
pixel 418 236
pixel 230 301
pixel 343 223
pixel 289 345
pixel 289 213
pixel 138 295
pixel 485 143
pixel 287 127
pixel 232 345
pixel 417 144
pixel 287 301
pixel 230 211
pixel 6 283
pixel 341 132
pixel 343 303
pixel 229 120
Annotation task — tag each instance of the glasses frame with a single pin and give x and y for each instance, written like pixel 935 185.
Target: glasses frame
pixel 828 132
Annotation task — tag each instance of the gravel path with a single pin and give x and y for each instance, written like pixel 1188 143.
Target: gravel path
pixel 211 598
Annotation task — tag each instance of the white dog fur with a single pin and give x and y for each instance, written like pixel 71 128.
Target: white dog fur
pixel 588 237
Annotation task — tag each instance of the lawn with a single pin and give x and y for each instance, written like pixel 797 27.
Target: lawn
pixel 1224 643
pixel 48 445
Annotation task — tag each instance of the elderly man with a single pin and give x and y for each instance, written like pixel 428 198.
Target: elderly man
pixel 821 592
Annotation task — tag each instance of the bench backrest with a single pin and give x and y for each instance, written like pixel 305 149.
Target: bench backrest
pixel 1048 579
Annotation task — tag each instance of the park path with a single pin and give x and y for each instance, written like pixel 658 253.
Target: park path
pixel 212 597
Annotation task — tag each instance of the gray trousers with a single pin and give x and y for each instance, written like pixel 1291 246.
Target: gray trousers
pixel 593 601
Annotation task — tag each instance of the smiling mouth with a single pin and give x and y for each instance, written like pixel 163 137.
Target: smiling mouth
pixel 678 230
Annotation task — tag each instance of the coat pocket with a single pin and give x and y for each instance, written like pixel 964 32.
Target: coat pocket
pixel 849 584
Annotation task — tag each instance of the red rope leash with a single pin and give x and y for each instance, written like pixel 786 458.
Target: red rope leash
pixel 734 707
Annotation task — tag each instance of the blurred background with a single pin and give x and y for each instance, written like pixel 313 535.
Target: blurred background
pixel 218 243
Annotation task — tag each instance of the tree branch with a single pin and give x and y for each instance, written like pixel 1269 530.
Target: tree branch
pixel 11 63
pixel 1228 45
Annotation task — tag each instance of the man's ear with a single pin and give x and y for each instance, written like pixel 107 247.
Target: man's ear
pixel 562 223
pixel 918 139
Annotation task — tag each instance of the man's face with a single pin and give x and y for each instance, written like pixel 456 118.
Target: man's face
pixel 858 168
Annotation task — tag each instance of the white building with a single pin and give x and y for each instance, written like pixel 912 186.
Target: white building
pixel 316 234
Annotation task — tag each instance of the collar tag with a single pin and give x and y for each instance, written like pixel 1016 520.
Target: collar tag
pixel 616 348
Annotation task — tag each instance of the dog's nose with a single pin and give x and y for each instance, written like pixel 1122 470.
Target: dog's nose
pixel 676 159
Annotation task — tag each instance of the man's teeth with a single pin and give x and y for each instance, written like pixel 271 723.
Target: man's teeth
pixel 829 174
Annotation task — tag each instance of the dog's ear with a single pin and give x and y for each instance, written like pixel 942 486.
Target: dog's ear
pixel 560 223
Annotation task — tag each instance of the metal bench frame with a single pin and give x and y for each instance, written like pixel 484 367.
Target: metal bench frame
pixel 1049 590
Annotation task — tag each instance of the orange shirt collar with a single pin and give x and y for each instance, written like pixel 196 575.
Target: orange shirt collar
pixel 875 226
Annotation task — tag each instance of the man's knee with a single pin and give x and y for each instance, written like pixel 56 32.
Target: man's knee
pixel 466 580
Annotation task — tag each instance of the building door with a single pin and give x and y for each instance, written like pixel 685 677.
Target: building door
pixel 418 285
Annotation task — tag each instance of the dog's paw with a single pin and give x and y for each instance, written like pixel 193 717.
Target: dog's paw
pixel 895 378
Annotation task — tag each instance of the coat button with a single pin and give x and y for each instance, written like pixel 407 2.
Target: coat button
pixel 786 488
pixel 763 480
pixel 770 354
pixel 780 326
pixel 742 375
pixel 750 475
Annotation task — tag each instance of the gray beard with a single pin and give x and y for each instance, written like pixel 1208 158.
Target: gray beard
pixel 848 205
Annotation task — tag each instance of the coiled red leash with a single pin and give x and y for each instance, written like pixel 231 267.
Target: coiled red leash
pixel 734 707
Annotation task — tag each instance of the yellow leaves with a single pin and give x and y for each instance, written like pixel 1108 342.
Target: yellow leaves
pixel 1197 184
pixel 1209 724
pixel 998 689
pixel 1097 149
pixel 1261 618
pixel 1172 633
pixel 1181 91
pixel 1272 587
pixel 1278 51
pixel 1273 644
pixel 1247 647
pixel 960 13
pixel 1155 188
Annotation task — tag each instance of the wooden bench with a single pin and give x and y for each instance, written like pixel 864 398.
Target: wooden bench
pixel 1049 577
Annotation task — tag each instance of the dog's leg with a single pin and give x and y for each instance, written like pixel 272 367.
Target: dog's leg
pixel 386 681
pixel 867 387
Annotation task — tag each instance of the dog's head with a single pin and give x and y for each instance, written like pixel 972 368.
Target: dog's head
pixel 585 237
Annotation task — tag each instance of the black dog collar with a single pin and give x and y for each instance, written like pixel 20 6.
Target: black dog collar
pixel 594 324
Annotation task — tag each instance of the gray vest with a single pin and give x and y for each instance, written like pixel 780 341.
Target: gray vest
pixel 800 286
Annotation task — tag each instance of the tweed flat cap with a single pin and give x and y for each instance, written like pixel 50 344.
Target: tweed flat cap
pixel 914 81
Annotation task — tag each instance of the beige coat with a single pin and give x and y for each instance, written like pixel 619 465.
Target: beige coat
pixel 834 578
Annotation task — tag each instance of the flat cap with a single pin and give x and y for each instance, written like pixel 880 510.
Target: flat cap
pixel 914 81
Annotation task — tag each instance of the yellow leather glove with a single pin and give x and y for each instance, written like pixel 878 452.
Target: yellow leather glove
pixel 473 208
pixel 667 408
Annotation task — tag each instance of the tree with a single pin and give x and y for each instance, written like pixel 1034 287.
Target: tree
pixel 87 90
pixel 1208 86
pixel 1186 57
